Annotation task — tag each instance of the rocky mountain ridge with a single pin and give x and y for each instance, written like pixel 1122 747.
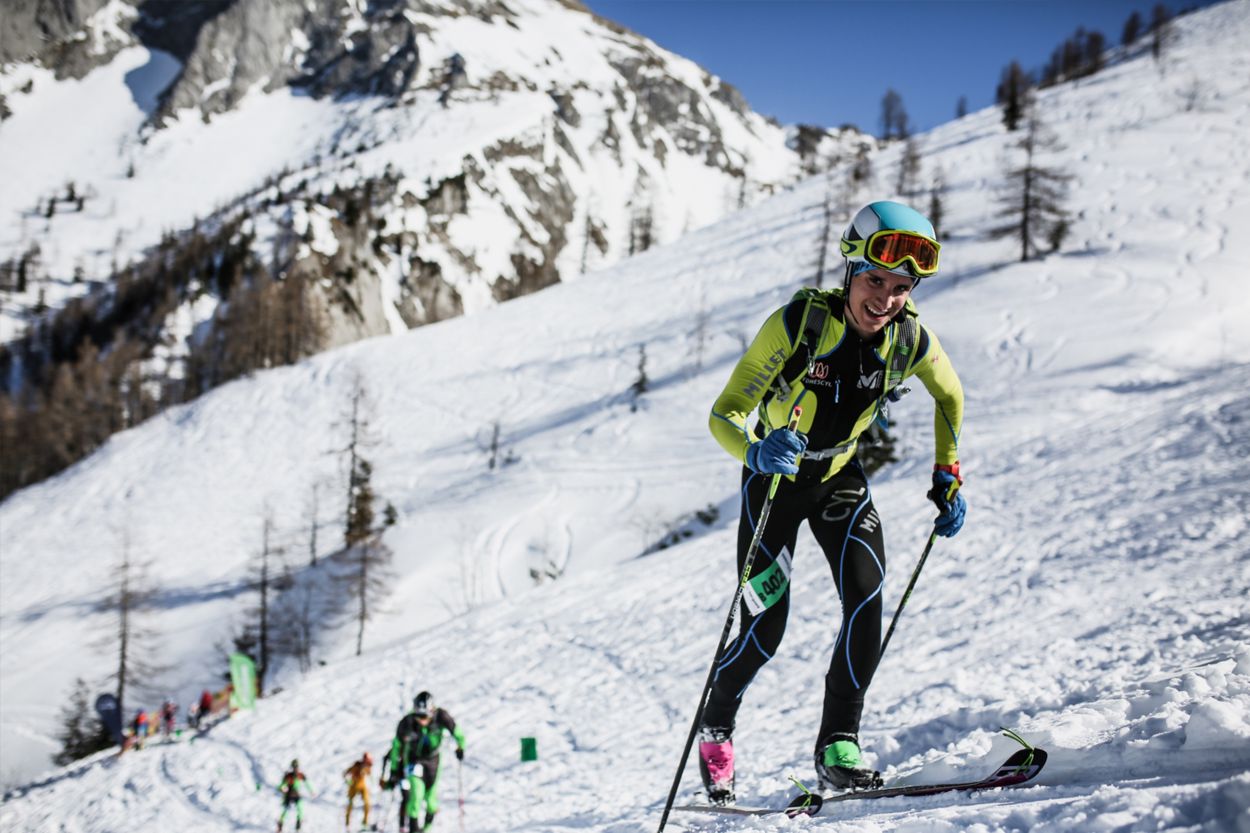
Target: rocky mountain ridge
pixel 408 160
pixel 653 109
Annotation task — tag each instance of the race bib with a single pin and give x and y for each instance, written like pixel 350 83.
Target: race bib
pixel 764 590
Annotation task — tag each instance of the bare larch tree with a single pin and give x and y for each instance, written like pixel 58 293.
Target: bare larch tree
pixel 130 595
pixel 1033 198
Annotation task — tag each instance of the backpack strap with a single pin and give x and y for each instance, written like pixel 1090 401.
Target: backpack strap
pixel 811 327
pixel 901 350
pixel 902 347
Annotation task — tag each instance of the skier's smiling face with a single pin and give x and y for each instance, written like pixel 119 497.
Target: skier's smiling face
pixel 876 296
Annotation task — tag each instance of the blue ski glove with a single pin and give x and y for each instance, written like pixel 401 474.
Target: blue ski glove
pixel 952 507
pixel 775 453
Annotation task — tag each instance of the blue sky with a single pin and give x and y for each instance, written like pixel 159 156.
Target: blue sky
pixel 814 61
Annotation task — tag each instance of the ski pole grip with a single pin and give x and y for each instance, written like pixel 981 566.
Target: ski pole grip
pixel 793 426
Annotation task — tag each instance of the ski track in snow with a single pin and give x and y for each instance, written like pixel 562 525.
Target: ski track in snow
pixel 1095 600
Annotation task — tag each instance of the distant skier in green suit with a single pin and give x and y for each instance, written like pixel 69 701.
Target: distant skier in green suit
pixel 414 757
pixel 293 788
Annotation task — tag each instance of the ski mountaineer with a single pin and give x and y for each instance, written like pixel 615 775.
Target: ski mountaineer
pixel 292 789
pixel 357 778
pixel 415 754
pixel 205 711
pixel 141 727
pixel 168 713
pixel 840 356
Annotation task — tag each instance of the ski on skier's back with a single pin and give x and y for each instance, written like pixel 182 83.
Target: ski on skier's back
pixel 1022 767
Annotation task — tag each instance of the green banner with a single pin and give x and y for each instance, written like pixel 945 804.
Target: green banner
pixel 243 678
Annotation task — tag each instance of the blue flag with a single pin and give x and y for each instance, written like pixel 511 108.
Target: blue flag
pixel 110 715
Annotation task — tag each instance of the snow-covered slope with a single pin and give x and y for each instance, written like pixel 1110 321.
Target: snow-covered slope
pixel 1095 600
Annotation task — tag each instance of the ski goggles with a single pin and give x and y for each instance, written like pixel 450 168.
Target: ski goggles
pixel 892 248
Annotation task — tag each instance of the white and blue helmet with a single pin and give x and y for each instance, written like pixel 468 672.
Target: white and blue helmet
pixel 879 216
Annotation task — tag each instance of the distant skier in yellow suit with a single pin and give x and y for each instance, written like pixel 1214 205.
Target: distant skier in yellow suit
pixel 357 778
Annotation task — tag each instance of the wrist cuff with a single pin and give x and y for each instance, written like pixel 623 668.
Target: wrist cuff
pixel 952 469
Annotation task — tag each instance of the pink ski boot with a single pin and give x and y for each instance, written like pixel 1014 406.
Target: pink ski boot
pixel 716 764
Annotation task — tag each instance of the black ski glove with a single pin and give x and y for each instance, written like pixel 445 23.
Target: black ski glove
pixel 459 753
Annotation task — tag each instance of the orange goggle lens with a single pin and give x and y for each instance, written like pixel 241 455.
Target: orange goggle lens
pixel 893 248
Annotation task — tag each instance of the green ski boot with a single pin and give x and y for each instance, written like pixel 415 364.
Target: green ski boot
pixel 839 766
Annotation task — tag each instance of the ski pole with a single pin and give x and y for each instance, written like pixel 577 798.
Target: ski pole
pixel 950 494
pixel 724 636
pixel 390 804
pixel 460 790
pixel 907 594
